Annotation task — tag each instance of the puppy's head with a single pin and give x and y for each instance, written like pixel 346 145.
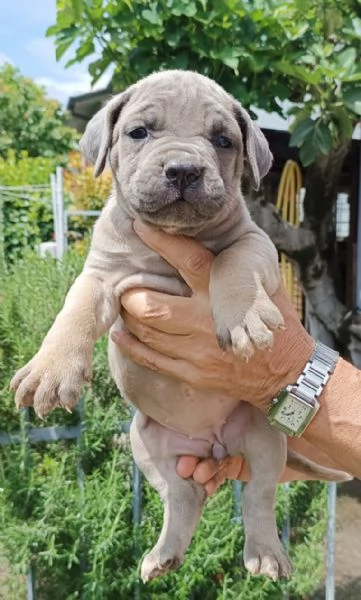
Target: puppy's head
pixel 176 143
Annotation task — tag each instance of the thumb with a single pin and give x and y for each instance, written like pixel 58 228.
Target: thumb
pixel 189 257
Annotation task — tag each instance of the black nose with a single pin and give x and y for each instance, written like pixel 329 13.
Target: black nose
pixel 181 174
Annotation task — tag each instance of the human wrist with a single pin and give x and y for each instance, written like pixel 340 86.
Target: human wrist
pixel 291 351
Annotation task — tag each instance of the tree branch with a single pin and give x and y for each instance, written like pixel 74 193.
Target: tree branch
pixel 297 243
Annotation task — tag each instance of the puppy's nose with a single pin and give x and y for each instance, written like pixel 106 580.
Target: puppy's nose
pixel 182 174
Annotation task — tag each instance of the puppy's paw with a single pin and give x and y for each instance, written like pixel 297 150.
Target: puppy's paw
pixel 155 565
pixel 244 328
pixel 52 379
pixel 267 557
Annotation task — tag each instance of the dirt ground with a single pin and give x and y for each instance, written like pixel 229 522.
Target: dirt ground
pixel 348 544
pixel 4 594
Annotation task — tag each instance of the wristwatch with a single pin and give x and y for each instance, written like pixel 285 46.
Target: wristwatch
pixel 295 406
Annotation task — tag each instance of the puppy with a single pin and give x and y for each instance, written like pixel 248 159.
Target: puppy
pixel 177 145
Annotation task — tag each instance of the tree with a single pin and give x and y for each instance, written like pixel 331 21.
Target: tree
pixel 29 121
pixel 264 52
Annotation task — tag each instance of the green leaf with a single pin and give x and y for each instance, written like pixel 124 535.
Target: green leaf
pixel 298 72
pixel 346 59
pixel 52 30
pixel 151 16
pixel 322 138
pixel 62 47
pixel 308 153
pixel 77 6
pixel 352 99
pixel 301 131
pixel 356 76
pixel 342 121
pixel 232 63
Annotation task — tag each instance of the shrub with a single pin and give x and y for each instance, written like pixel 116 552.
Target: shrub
pixel 79 536
pixel 83 192
pixel 29 120
pixel 27 218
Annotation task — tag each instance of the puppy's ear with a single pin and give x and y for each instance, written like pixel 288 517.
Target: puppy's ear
pixel 97 138
pixel 257 150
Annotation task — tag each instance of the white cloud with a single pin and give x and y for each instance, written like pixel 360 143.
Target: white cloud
pixel 75 84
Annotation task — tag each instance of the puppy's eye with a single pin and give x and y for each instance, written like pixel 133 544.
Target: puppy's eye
pixel 222 141
pixel 140 133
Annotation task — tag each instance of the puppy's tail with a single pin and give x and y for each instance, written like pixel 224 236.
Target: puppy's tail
pixel 315 471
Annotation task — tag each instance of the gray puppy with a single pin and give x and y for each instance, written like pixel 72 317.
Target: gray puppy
pixel 177 143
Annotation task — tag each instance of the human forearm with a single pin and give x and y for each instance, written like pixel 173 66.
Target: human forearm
pixel 336 427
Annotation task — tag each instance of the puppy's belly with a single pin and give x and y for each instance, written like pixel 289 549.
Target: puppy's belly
pixel 175 405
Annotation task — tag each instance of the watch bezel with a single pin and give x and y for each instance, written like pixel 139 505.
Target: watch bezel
pixel 277 405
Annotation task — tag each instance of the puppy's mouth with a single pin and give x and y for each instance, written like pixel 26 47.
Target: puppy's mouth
pixel 196 204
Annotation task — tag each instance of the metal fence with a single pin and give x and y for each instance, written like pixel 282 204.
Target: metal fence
pixel 61 217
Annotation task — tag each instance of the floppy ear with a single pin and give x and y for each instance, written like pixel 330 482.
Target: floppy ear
pixel 97 138
pixel 257 150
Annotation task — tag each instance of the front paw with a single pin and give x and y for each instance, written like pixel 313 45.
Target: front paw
pixel 267 557
pixel 52 379
pixel 245 327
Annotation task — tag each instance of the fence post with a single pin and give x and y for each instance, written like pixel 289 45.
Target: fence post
pixel 2 246
pixel 55 215
pixel 331 535
pixel 60 210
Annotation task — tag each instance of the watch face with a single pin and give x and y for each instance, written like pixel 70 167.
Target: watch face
pixel 292 414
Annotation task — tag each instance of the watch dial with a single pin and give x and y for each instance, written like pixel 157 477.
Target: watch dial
pixel 292 413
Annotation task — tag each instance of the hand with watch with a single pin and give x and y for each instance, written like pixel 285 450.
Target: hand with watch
pixel 301 386
pixel 296 405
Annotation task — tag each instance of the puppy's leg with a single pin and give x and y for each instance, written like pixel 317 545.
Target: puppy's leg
pixel 265 451
pixel 54 377
pixel 242 278
pixel 156 451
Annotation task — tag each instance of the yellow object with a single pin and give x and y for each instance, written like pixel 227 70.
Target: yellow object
pixel 288 205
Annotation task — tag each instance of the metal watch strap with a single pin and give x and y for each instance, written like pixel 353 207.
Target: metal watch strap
pixel 315 375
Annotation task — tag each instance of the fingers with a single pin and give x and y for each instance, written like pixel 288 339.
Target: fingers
pixel 174 346
pixel 151 359
pixel 166 313
pixel 189 257
pixel 211 473
pixel 186 466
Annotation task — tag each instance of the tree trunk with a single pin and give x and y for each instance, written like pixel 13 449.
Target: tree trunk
pixel 312 249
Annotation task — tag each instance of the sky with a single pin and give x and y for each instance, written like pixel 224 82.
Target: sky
pixel 23 24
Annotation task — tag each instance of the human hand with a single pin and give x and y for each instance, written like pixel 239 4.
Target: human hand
pixel 212 473
pixel 175 335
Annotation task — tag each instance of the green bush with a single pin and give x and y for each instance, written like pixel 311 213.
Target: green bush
pixel 29 120
pixel 79 537
pixel 27 218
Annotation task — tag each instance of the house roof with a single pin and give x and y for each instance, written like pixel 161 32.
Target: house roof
pixel 82 108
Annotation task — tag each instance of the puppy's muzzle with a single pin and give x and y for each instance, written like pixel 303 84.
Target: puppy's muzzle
pixel 183 175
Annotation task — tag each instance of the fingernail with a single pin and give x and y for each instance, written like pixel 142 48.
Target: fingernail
pixel 118 336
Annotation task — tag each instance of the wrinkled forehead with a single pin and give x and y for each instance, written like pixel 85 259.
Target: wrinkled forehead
pixel 162 104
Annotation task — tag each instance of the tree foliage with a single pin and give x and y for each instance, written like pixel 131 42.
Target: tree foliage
pixel 29 121
pixel 262 51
